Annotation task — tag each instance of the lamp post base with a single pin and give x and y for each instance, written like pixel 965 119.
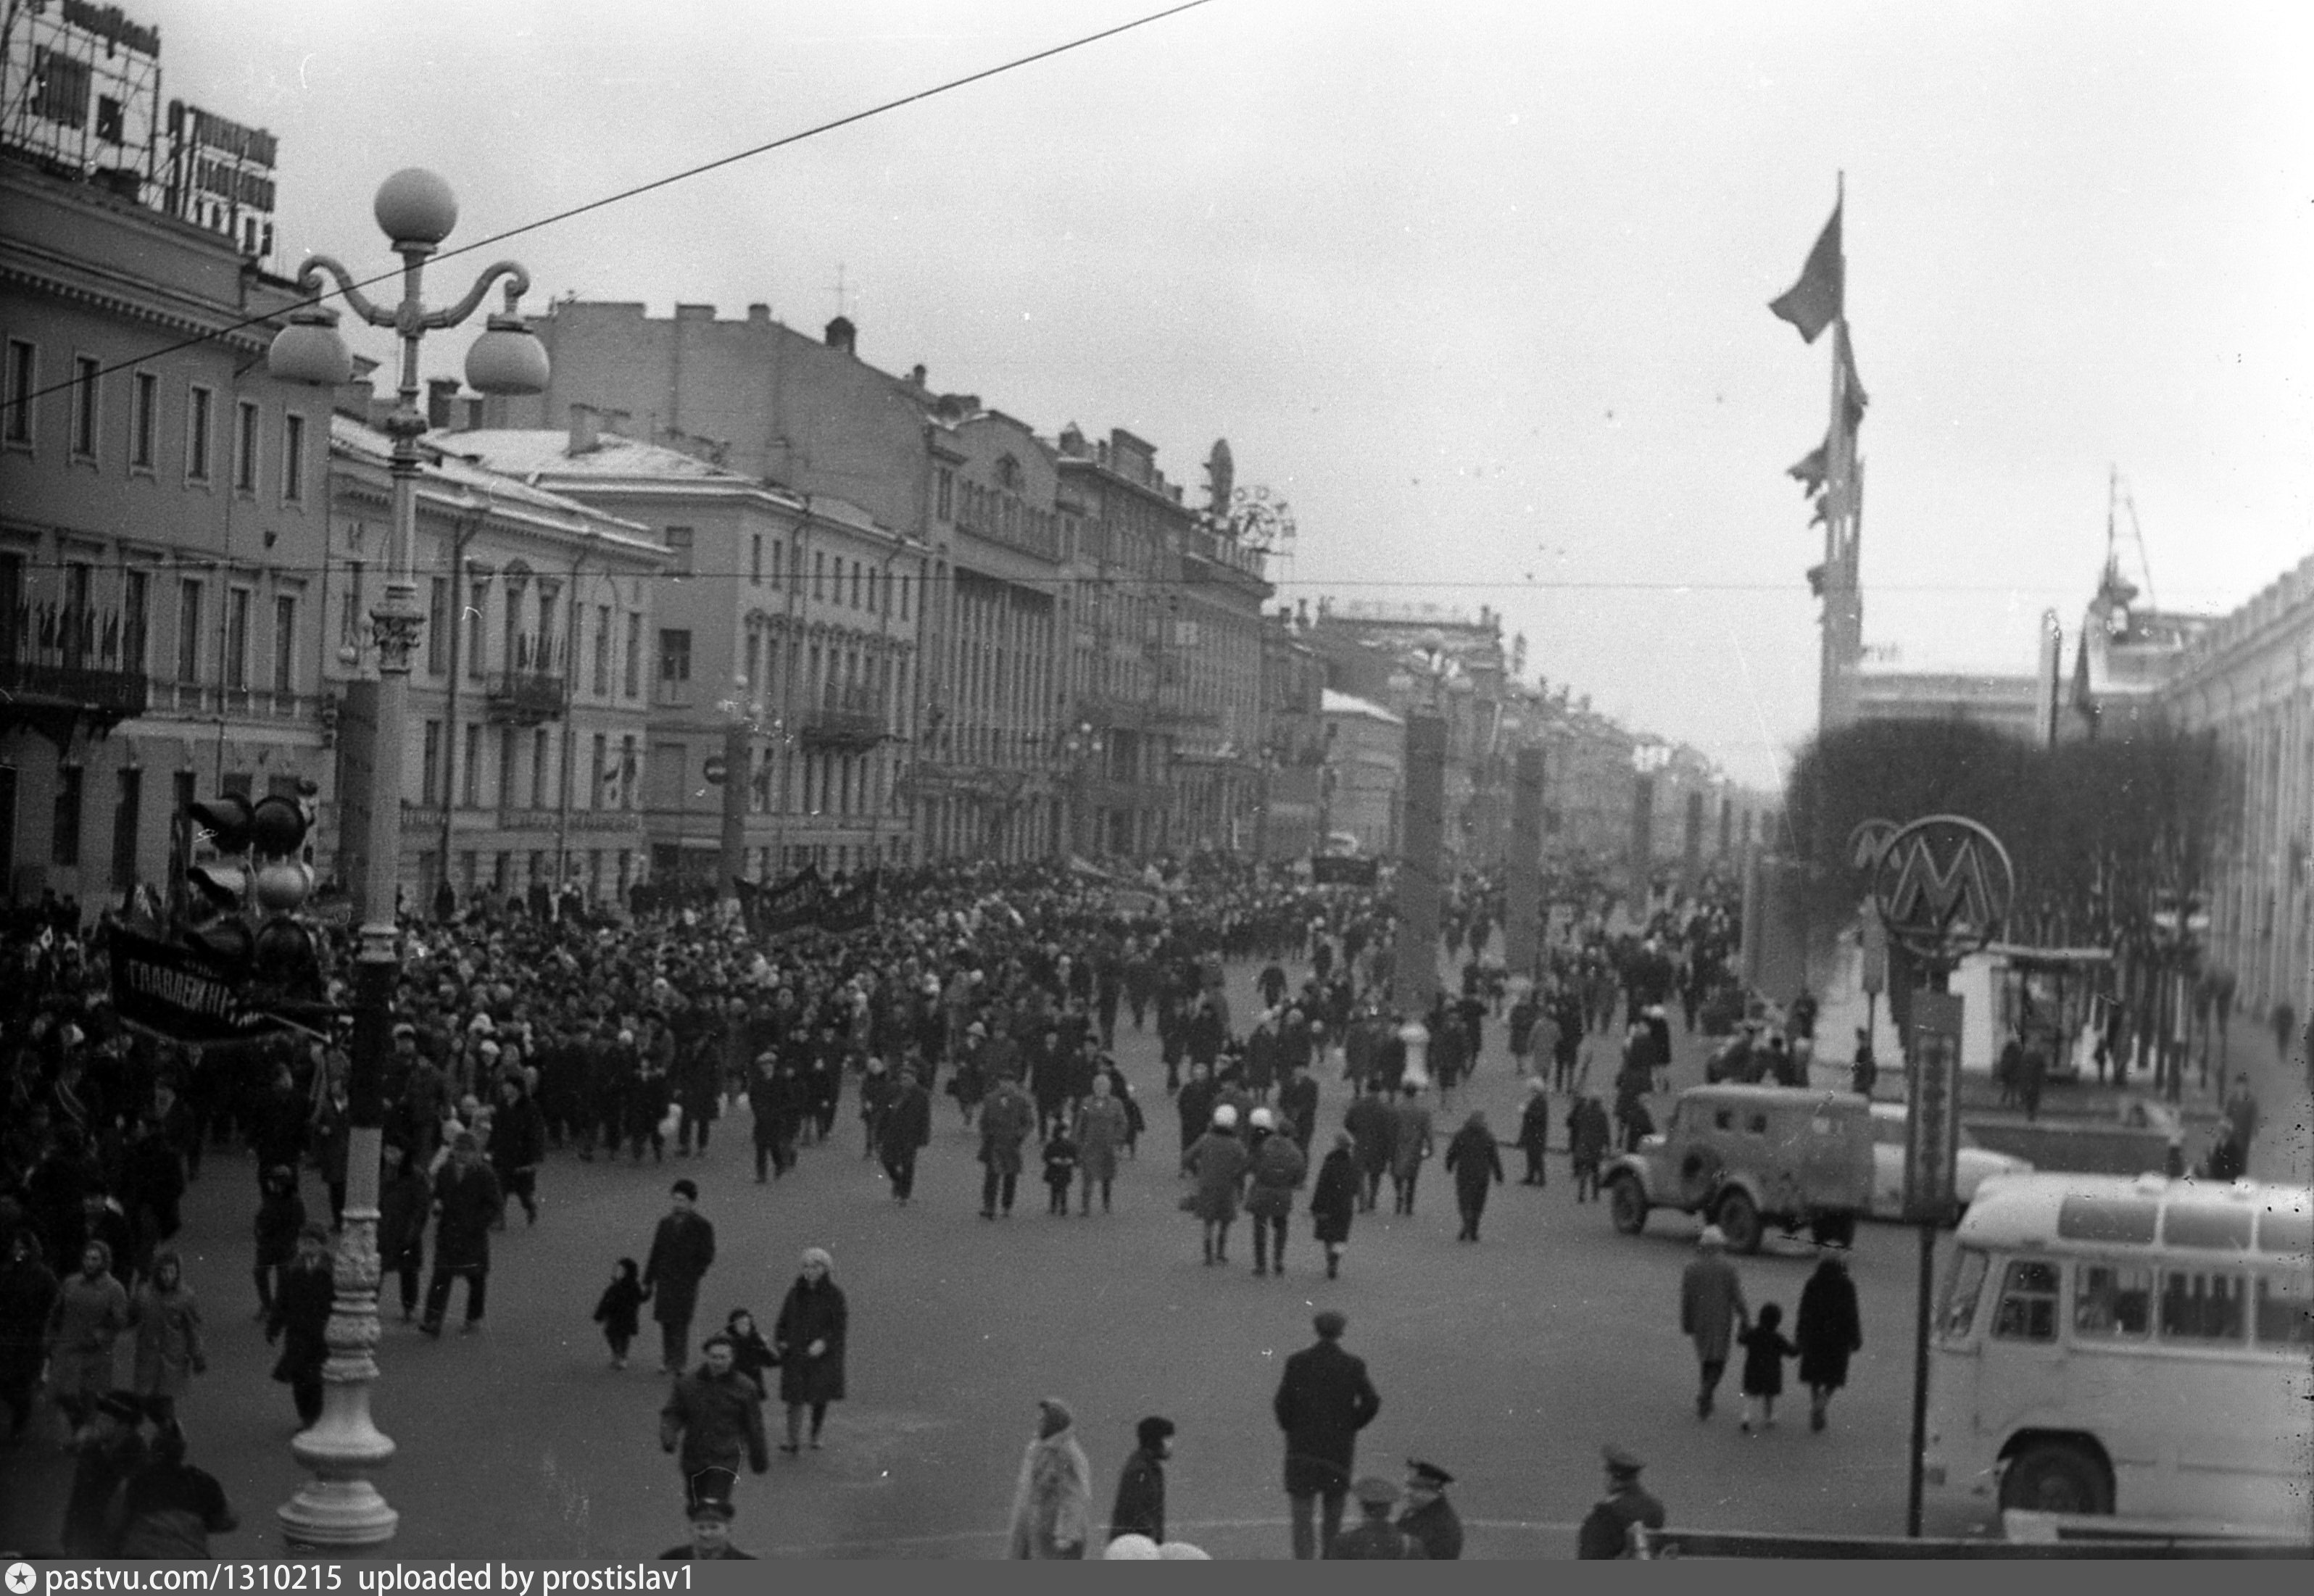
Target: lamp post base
pixel 333 1515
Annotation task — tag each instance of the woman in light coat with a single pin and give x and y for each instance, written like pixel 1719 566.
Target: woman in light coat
pixel 169 1348
pixel 1052 1504
pixel 1218 1161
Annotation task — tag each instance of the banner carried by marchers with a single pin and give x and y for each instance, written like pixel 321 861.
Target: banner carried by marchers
pixel 180 993
pixel 852 909
pixel 792 907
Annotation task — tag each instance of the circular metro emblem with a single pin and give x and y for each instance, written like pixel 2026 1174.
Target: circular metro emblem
pixel 1943 886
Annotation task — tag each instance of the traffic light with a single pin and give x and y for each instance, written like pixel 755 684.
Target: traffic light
pixel 243 906
pixel 215 918
pixel 285 954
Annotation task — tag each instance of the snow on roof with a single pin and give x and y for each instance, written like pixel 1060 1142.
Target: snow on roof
pixel 362 441
pixel 526 452
pixel 1343 703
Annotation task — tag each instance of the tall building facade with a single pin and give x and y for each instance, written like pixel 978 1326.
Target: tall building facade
pixel 162 507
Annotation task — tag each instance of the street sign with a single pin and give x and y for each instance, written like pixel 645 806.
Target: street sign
pixel 713 769
pixel 1933 1120
pixel 1943 886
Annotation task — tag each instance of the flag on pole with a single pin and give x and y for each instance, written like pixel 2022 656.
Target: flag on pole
pixel 1852 397
pixel 1816 301
pixel 1809 472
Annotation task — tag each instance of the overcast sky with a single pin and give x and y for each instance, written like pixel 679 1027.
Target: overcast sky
pixel 1480 288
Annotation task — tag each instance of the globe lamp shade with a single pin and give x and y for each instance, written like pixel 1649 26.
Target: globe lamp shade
pixel 284 885
pixel 415 206
pixel 309 351
pixel 508 359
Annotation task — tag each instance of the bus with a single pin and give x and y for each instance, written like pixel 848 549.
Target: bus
pixel 2136 1346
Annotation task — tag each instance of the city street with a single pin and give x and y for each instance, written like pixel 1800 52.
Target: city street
pixel 1508 1363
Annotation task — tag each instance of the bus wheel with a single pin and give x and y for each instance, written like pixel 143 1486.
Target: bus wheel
pixel 1627 1205
pixel 1739 1220
pixel 2055 1477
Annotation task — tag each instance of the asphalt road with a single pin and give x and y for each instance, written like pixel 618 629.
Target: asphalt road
pixel 1508 1363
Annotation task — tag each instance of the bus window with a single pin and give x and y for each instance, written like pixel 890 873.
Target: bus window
pixel 1725 1120
pixel 2285 1310
pixel 2028 1302
pixel 1757 1124
pixel 1961 1293
pixel 2112 1300
pixel 2201 1305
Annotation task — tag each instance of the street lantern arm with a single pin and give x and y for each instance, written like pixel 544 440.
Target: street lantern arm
pixel 518 285
pixel 310 281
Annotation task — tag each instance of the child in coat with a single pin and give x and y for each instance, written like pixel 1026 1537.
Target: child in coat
pixel 1765 1348
pixel 620 1312
pixel 1060 1169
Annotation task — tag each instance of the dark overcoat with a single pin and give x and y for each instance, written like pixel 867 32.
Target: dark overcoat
pixel 1828 1329
pixel 1323 1400
pixel 1335 1201
pixel 811 1313
pixel 682 1251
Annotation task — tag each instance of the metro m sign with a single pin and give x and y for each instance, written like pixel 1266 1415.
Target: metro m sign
pixel 1943 887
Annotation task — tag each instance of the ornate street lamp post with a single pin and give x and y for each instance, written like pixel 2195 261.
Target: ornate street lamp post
pixel 339 1506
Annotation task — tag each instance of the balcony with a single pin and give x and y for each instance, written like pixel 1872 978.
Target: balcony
pixel 847 719
pixel 524 698
pixel 65 666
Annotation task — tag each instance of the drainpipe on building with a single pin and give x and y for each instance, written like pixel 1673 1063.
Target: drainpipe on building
pixel 570 698
pixel 454 616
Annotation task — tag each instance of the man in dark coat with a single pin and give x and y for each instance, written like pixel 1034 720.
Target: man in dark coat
pixel 1374 1128
pixel 1323 1400
pixel 518 1146
pixel 1006 1119
pixel 1140 1507
pixel 1297 1105
pixel 716 1415
pixel 682 1251
pixel 1828 1331
pixel 1606 1531
pixel 1196 1102
pixel 466 1203
pixel 905 1130
pixel 1429 1518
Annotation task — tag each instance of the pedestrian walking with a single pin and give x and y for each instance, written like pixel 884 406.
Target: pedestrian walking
pixel 1140 1507
pixel 682 1251
pixel 1006 1119
pixel 1710 1308
pixel 1324 1399
pixel 1103 1125
pixel 89 1313
pixel 1275 1171
pixel 1060 1169
pixel 1374 1538
pixel 1588 1136
pixel 1606 1531
pixel 405 1201
pixel 300 1322
pixel 751 1355
pixel 466 1202
pixel 28 1294
pixel 518 1146
pixel 1371 1123
pixel 713 1422
pixel 1334 1202
pixel 1765 1351
pixel 280 1216
pixel 1429 1518
pixel 905 1131
pixel 1829 1330
pixel 1471 1159
pixel 620 1309
pixel 1052 1502
pixel 809 1337
pixel 1411 1146
pixel 167 1320
pixel 1218 1161
pixel 1535 1132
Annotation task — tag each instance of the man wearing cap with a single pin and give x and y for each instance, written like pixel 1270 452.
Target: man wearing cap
pixel 1006 1119
pixel 1323 1400
pixel 1374 1538
pixel 711 1536
pixel 1429 1517
pixel 682 1251
pixel 466 1202
pixel 1140 1508
pixel 715 1413
pixel 1606 1531
pixel 1710 1308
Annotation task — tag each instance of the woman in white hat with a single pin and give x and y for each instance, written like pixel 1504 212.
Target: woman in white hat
pixel 1218 1161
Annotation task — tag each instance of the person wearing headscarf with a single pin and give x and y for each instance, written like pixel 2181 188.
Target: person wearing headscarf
pixel 89 1312
pixel 169 1350
pixel 1829 1330
pixel 1217 1160
pixel 808 1338
pixel 1052 1503
pixel 1471 1157
pixel 1334 1200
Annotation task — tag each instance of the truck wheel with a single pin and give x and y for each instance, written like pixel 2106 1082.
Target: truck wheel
pixel 2055 1477
pixel 1739 1220
pixel 1627 1205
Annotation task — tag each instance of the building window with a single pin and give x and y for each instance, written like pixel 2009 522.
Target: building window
pixel 244 448
pixel 349 609
pixel 507 755
pixel 630 773
pixel 478 609
pixel 599 799
pixel 188 631
pixel 127 818
pixel 678 542
pixel 83 401
pixel 819 575
pixel 285 644
pixel 237 640
pixel 673 663
pixel 429 765
pixel 196 434
pixel 540 764
pixel 437 626
pixel 136 608
pixel 292 460
pixel 904 595
pixel 64 837
pixel 857 602
pixel 755 559
pixel 23 374
pixel 603 650
pixel 946 493
pixel 144 422
pixel 61 87
pixel 470 793
pixel 633 683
